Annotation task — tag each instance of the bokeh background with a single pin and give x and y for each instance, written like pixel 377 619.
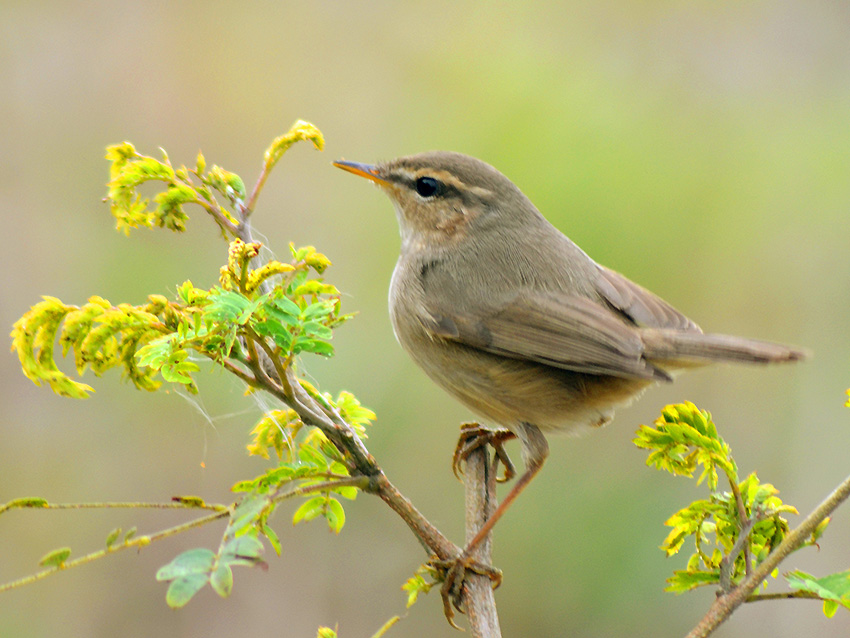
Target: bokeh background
pixel 701 148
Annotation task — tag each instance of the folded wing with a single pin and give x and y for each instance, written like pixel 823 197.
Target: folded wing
pixel 568 332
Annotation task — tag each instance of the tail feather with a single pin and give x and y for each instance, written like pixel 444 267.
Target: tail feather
pixel 695 347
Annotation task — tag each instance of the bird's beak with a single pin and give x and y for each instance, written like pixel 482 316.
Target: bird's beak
pixel 363 170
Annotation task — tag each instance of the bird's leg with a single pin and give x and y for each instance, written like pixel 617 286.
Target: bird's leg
pixel 535 451
pixel 474 436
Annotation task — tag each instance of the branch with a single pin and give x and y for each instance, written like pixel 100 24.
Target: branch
pixel 726 603
pixel 478 597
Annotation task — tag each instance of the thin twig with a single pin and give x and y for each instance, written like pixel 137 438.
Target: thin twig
pixel 248 208
pixel 728 563
pixel 139 542
pixel 744 529
pixel 784 595
pixel 220 511
pixel 189 505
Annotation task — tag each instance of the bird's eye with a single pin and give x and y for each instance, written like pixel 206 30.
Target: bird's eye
pixel 429 187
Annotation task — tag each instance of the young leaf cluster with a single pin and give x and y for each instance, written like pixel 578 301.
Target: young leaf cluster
pixel 190 571
pixel 297 314
pixel 732 531
pixel 307 459
pixel 130 170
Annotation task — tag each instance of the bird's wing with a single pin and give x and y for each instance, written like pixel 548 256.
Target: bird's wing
pixel 638 304
pixel 568 332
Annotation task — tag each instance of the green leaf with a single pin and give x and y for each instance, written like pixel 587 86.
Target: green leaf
pixel 222 580
pixel 247 513
pixel 309 510
pixel 274 541
pixel 317 330
pixel 286 306
pixel 229 306
pixel 829 608
pixel 193 561
pixel 155 352
pixel 281 335
pixel 312 345
pixel 682 581
pixel 242 550
pixel 26 501
pixel 335 515
pixel 347 491
pixel 182 590
pixel 56 558
pixel 834 588
pixel 318 310
pixel 113 536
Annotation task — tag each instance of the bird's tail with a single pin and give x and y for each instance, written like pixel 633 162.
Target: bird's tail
pixel 696 348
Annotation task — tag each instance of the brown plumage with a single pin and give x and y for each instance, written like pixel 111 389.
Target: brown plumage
pixel 508 315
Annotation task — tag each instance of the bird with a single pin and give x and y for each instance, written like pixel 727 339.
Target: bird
pixel 508 315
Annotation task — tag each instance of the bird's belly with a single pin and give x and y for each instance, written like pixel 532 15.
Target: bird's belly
pixel 508 392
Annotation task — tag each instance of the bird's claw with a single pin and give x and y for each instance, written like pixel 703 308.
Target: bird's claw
pixel 474 436
pixel 453 573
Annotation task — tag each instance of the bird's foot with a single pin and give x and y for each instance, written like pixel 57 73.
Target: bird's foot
pixel 453 573
pixel 474 436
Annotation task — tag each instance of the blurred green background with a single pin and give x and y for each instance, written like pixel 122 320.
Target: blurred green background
pixel 700 148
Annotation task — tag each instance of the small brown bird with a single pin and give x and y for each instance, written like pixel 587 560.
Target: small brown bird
pixel 513 319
